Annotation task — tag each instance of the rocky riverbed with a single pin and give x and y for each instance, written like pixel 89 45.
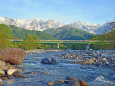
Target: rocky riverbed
pixel 105 58
pixel 71 67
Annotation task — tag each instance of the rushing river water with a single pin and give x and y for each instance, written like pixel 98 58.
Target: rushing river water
pixel 94 76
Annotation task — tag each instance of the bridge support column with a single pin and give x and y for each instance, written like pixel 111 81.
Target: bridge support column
pixel 87 46
pixel 58 46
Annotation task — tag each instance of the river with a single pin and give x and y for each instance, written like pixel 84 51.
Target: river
pixel 94 76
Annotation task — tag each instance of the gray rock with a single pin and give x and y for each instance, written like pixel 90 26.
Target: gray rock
pixel 48 61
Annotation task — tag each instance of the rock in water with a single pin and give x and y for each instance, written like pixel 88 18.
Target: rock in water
pixel 3 65
pixel 2 73
pixel 12 55
pixel 11 71
pixel 74 83
pixel 18 74
pixel 83 83
pixel 48 61
pixel 1 81
pixel 70 78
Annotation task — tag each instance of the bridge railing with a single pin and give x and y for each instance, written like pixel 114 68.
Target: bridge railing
pixel 66 41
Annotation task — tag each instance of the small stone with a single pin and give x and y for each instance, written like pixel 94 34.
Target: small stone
pixel 104 59
pixel 11 67
pixel 34 58
pixel 83 83
pixel 20 65
pixel 18 74
pixel 2 73
pixel 1 81
pixel 58 82
pixel 19 70
pixel 67 81
pixel 51 83
pixel 4 78
pixel 3 65
pixel 32 72
pixel 11 71
pixel 89 61
pixel 74 83
pixel 70 78
pixel 43 73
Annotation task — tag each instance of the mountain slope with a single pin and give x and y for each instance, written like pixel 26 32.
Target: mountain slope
pixel 105 28
pixel 108 36
pixel 69 33
pixel 22 33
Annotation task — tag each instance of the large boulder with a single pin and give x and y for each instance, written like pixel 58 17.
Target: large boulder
pixel 48 61
pixel 12 55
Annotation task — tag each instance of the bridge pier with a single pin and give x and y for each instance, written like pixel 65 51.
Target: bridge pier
pixel 87 46
pixel 58 46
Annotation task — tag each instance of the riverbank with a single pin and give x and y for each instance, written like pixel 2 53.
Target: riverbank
pixel 39 51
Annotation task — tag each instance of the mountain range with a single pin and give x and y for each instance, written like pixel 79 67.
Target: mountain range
pixel 69 33
pixel 62 33
pixel 40 25
pixel 34 24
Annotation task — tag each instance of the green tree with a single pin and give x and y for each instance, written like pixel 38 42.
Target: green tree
pixel 30 42
pixel 5 36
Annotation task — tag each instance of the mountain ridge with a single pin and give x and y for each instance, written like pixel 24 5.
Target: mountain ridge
pixel 40 25
pixel 69 33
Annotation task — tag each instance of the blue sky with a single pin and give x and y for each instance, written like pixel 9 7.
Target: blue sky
pixel 65 11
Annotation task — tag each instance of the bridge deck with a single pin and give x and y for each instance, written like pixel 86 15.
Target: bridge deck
pixel 69 41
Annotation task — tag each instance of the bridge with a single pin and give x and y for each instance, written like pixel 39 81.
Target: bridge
pixel 58 42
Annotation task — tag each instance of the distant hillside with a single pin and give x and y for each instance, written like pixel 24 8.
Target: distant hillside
pixel 22 33
pixel 69 33
pixel 108 36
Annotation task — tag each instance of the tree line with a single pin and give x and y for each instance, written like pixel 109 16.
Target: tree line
pixel 30 42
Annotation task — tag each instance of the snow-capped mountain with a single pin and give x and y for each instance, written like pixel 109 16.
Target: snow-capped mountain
pixel 35 24
pixel 105 28
pixel 94 28
pixel 40 25
pixel 91 28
